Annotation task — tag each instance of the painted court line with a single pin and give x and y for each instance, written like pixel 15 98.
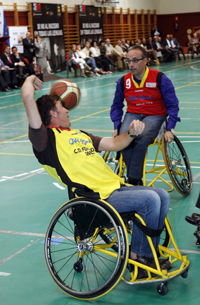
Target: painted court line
pixel 4 274
pixel 4 178
pixel 18 252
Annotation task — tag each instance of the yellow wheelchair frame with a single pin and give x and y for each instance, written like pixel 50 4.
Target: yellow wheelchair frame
pixel 87 251
pixel 177 166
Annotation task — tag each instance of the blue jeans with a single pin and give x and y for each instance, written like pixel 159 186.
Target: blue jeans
pixel 151 204
pixel 91 62
pixel 134 154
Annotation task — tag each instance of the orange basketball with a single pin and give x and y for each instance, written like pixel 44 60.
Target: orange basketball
pixel 68 91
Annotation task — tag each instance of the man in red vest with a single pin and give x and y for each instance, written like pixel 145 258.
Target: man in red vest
pixel 150 98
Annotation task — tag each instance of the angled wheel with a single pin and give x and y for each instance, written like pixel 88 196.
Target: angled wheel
pixel 178 165
pixel 81 262
pixel 111 158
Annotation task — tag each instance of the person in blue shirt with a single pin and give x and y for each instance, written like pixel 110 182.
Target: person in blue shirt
pixel 150 97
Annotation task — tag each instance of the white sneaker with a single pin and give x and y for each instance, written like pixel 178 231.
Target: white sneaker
pixel 96 74
pixel 109 72
pixel 97 70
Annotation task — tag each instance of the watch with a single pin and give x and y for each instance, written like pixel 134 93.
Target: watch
pixel 170 129
pixel 131 135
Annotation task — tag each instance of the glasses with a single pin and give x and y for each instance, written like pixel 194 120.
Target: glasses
pixel 134 60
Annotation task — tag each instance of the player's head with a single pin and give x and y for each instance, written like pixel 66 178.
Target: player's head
pixel 52 111
pixel 137 60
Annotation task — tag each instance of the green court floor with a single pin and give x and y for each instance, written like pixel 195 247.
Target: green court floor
pixel 29 197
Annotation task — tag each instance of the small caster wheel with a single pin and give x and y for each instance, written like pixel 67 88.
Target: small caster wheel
pixel 185 274
pixel 197 242
pixel 162 289
pixel 78 266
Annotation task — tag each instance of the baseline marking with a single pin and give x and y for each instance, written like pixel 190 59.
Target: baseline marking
pixel 4 274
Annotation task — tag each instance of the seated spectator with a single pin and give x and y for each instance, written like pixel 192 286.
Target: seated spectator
pixel 176 45
pixel 9 76
pixel 85 54
pixel 6 58
pixel 132 43
pixel 41 54
pixel 108 60
pixel 114 54
pixel 124 45
pixel 96 54
pixel 75 57
pixel 167 45
pixel 120 50
pixel 148 46
pixel 138 42
pixel 194 45
pixel 127 41
pixel 156 32
pixel 23 69
pixel 157 45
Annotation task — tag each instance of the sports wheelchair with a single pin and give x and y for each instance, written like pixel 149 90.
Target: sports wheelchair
pixel 177 164
pixel 87 250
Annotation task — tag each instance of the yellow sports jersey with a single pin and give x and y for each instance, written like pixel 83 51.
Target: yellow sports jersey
pixel 71 158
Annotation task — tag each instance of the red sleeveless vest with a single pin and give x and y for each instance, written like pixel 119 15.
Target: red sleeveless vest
pixel 145 97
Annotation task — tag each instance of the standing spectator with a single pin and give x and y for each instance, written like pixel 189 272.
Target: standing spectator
pixel 155 31
pixel 82 63
pixel 89 60
pixel 29 47
pixel 194 45
pixel 17 58
pixel 112 52
pixel 167 45
pixel 40 53
pixel 176 45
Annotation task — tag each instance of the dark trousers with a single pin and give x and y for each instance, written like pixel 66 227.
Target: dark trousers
pixel 10 77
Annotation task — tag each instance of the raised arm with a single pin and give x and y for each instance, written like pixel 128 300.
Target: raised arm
pixel 31 84
pixel 120 142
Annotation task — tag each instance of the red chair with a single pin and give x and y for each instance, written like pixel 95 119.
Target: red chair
pixel 37 69
pixel 75 67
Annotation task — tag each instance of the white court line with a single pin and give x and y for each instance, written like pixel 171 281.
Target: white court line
pixel 16 253
pixel 4 178
pixel 4 274
pixel 59 186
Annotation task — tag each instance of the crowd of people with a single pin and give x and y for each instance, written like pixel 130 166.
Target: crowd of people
pixel 14 66
pixel 98 58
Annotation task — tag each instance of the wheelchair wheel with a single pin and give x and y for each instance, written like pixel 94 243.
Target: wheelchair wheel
pixel 79 260
pixel 178 165
pixel 110 157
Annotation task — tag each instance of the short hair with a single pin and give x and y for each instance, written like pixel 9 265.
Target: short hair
pixel 136 47
pixel 6 47
pixel 14 47
pixel 45 104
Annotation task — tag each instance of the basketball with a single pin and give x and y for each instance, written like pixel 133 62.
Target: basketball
pixel 68 91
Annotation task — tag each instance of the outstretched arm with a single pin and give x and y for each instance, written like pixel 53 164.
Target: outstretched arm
pixel 120 142
pixel 31 84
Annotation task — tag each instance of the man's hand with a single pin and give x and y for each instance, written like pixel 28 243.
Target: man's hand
pixel 21 63
pixel 136 127
pixel 168 136
pixel 114 133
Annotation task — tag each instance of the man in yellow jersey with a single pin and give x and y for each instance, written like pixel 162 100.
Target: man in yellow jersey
pixel 150 98
pixel 70 156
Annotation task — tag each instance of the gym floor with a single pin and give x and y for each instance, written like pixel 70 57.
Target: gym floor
pixel 29 196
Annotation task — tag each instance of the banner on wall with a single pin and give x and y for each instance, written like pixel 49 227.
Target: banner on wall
pixel 90 23
pixel 17 34
pixel 48 23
